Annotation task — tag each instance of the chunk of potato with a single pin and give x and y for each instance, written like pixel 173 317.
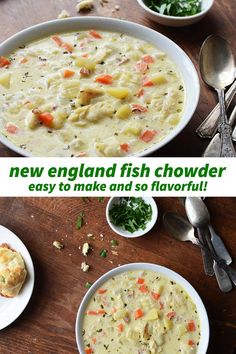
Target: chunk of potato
pixel 159 288
pixel 5 79
pixel 118 92
pixel 124 112
pixel 131 334
pixel 181 329
pixel 168 323
pixel 132 128
pixel 152 315
pixel 119 314
pixel 85 63
pixel 158 79
pixel 31 121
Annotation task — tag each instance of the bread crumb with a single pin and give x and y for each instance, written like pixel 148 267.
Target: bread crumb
pixel 84 5
pixel 115 253
pixel 90 236
pixel 85 249
pixel 117 7
pixel 58 245
pixel 63 14
pixel 85 267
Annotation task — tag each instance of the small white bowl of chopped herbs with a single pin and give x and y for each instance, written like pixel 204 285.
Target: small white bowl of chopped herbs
pixel 176 13
pixel 131 216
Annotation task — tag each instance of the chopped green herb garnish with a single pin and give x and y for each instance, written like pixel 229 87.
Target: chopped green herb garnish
pixel 80 220
pixel 114 243
pixel 131 213
pixel 103 253
pixel 101 199
pixel 88 285
pixel 179 8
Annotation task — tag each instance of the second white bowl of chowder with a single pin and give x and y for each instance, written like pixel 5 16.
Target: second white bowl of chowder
pixel 142 308
pixel 93 87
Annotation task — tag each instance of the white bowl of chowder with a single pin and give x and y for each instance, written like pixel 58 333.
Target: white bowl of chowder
pixel 142 308
pixel 93 87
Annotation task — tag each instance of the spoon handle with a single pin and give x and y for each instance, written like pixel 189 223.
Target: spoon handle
pixel 206 257
pixel 208 127
pixel 225 130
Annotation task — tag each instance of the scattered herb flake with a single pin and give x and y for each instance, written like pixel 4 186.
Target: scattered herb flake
pixel 114 243
pixel 103 253
pixel 88 285
pixel 80 220
pixel 101 199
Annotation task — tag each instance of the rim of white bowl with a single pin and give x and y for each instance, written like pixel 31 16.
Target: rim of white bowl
pixel 204 322
pixel 109 24
pixel 178 18
pixel 120 231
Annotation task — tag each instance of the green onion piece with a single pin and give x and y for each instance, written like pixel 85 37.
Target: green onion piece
pixel 80 220
pixel 88 285
pixel 103 253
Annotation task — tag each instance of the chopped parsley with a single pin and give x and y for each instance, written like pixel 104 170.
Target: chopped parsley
pixel 103 253
pixel 179 8
pixel 131 213
pixel 80 220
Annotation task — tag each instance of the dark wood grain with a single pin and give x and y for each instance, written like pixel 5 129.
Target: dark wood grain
pixel 16 15
pixel 47 325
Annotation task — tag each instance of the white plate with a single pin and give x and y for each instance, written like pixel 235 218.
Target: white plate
pixel 175 53
pixel 11 308
pixel 204 323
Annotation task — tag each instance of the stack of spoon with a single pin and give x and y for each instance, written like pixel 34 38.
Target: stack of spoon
pixel 217 67
pixel 216 258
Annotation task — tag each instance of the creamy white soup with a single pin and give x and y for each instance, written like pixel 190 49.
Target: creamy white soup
pixel 89 94
pixel 141 312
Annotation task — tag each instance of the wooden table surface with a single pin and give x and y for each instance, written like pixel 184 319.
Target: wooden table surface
pixel 16 15
pixel 47 325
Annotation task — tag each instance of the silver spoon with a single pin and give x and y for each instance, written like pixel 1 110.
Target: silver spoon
pixel 217 68
pixel 199 217
pixel 179 228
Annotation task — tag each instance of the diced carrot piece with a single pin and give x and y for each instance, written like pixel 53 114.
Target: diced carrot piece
pixel 138 108
pixel 148 83
pixel 88 351
pixel 148 59
pixel 11 128
pixel 140 92
pixel 138 314
pixel 46 118
pixel 94 340
pixel 101 312
pixel 144 289
pixel 81 154
pixel 95 34
pixel 104 79
pixel 148 135
pixel 155 296
pixel 23 60
pixel 171 315
pixel 125 147
pixel 57 40
pixel 140 281
pixel 191 326
pixel 113 310
pixel 85 55
pixel 95 313
pixel 4 62
pixel 120 327
pixel 67 46
pixel 191 343
pixel 102 291
pixel 141 66
pixel 161 305
pixel 68 73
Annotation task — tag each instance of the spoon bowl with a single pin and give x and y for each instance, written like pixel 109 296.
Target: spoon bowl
pixel 217 64
pixel 178 227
